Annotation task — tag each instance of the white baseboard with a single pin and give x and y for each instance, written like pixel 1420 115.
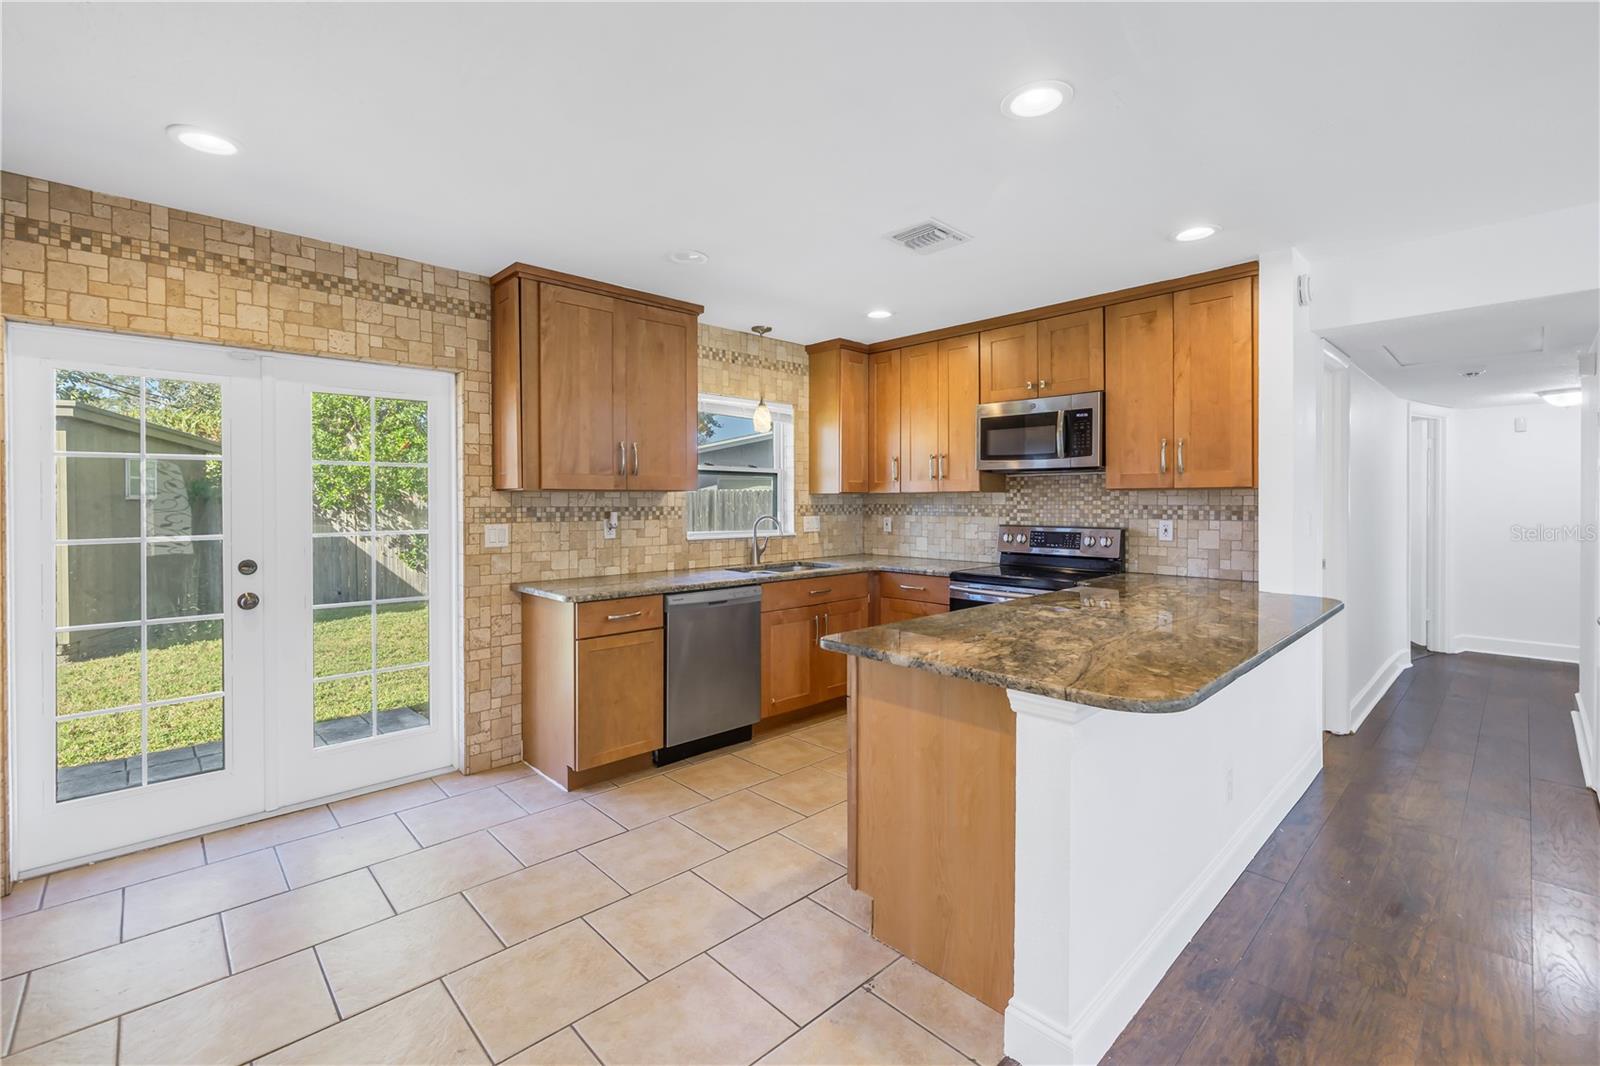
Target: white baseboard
pixel 1521 649
pixel 1580 726
pixel 1041 1042
pixel 1362 703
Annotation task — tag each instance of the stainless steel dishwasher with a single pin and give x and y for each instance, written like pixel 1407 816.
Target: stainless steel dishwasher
pixel 713 669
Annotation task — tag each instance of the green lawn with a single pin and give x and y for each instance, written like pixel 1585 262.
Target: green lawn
pixel 187 659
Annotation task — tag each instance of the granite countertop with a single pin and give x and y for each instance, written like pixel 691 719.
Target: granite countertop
pixel 1128 642
pixel 616 586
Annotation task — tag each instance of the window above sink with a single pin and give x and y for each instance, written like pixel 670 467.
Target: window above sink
pixel 743 474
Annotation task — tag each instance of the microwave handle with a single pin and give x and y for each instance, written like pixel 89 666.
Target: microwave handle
pixel 1061 434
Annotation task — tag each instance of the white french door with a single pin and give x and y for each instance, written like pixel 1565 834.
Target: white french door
pixel 232 585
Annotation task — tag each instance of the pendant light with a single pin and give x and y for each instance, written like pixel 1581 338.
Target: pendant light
pixel 761 418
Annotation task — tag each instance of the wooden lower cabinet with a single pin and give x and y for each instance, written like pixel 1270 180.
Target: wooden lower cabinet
pixel 788 659
pixel 901 610
pixel 796 672
pixel 839 617
pixel 591 700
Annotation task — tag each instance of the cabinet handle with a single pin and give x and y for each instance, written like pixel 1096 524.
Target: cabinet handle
pixel 1163 455
pixel 1180 455
pixel 933 475
pixel 896 475
pixel 816 629
pixel 818 592
pixel 915 588
pixel 1027 384
pixel 635 458
pixel 1043 383
pixel 942 457
pixel 622 459
pixel 621 617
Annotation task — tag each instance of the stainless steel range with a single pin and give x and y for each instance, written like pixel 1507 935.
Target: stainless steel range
pixel 1038 559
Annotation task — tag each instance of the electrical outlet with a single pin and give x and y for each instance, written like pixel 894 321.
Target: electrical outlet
pixel 811 524
pixel 1164 529
pixel 611 526
pixel 497 535
pixel 888 524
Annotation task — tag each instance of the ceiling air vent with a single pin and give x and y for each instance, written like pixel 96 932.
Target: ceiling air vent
pixel 928 237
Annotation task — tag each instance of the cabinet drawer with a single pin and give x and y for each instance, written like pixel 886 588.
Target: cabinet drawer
pixel 604 617
pixel 903 610
pixel 782 595
pixel 914 587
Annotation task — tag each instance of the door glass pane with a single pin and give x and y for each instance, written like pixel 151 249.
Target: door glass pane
pixel 402 566
pixel 341 640
pixel 369 547
pixel 101 753
pixel 402 634
pixel 183 497
pixel 97 583
pixel 341 569
pixel 185 659
pixel 139 542
pixel 341 710
pixel 97 669
pixel 97 497
pixel 402 700
pixel 185 739
pixel 182 578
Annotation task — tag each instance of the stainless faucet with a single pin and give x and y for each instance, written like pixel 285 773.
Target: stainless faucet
pixel 758 548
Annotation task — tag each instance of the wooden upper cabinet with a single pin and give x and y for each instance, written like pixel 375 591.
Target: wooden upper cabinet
pixel 1072 353
pixel 1214 385
pixel 1008 363
pixel 919 418
pixel 1140 448
pixel 582 385
pixel 840 394
pixel 883 433
pixel 584 371
pixel 663 399
pixel 958 418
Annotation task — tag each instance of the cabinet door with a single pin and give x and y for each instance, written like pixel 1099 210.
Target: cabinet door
pixel 830 671
pixel 788 657
pixel 892 610
pixel 1139 394
pixel 621 706
pixel 854 396
pixel 1009 364
pixel 1213 414
pixel 958 418
pixel 1072 353
pixel 581 390
pixel 662 404
pixel 884 426
pixel 919 418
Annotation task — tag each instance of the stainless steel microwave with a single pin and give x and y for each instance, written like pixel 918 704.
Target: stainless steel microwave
pixel 1050 433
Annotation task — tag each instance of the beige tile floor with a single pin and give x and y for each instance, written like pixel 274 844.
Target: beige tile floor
pixel 695 915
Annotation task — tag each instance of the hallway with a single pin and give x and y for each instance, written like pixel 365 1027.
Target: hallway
pixel 1431 898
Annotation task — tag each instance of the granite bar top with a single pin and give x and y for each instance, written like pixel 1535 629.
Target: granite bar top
pixel 1128 642
pixel 616 586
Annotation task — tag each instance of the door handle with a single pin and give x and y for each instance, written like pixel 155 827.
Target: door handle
pixel 635 458
pixel 942 457
pixel 896 475
pixel 933 475
pixel 622 459
pixel 1180 455
pixel 1163 455
pixel 248 601
pixel 816 629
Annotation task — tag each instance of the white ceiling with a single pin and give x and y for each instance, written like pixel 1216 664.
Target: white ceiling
pixel 787 140
pixel 1522 348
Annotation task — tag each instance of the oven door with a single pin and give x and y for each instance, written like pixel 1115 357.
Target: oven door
pixel 967 594
pixel 1055 433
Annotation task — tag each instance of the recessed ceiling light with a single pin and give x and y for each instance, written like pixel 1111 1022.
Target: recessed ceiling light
pixel 880 312
pixel 1569 397
pixel 1194 233
pixel 689 256
pixel 202 140
pixel 1036 98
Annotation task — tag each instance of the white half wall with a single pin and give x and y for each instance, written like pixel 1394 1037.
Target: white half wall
pixel 1289 500
pixel 1513 526
pixel 1377 576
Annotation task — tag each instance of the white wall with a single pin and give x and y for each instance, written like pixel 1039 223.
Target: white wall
pixel 1376 576
pixel 1510 594
pixel 1587 715
pixel 1290 374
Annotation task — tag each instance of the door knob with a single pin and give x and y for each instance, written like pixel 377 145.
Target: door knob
pixel 247 566
pixel 247 601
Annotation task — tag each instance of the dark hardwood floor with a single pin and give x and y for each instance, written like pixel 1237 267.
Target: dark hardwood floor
pixel 1433 897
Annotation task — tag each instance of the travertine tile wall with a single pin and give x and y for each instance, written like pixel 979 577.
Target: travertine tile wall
pixel 1214 530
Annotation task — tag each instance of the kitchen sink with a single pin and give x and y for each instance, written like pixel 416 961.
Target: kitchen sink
pixel 781 568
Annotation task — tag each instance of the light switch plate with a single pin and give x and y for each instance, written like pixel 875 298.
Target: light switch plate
pixel 497 535
pixel 611 526
pixel 888 524
pixel 1164 529
pixel 811 524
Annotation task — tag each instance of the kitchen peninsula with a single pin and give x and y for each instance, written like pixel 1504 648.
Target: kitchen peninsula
pixel 1049 796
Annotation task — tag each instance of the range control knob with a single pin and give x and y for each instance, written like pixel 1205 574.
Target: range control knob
pixel 1105 542
pixel 1006 537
